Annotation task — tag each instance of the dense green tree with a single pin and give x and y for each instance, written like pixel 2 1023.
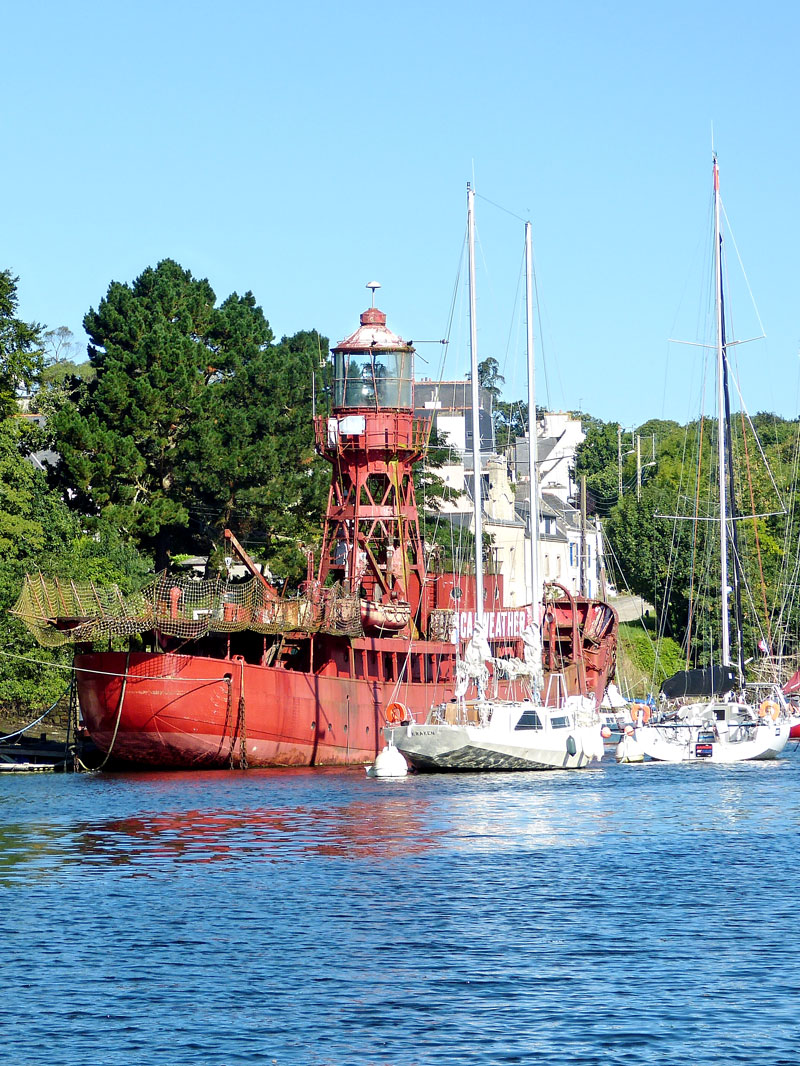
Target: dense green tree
pixel 599 448
pixel 196 419
pixel 21 354
pixel 39 532
pixel 489 377
pixel 666 543
pixel 510 421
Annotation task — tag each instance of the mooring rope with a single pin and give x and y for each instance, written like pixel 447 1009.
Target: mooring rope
pixel 116 724
pixel 108 673
pixel 19 732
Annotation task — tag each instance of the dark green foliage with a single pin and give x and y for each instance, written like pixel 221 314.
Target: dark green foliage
pixel 21 356
pixel 38 532
pixel 510 422
pixel 599 449
pixel 431 492
pixel 644 660
pixel 196 420
pixel 674 561
pixel 489 377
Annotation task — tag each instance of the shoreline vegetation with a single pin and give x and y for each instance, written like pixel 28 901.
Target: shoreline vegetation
pixel 157 446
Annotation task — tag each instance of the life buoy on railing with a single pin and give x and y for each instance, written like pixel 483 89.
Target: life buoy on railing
pixel 638 709
pixel 769 709
pixel 397 713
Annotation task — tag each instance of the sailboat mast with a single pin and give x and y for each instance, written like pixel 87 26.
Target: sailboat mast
pixel 535 588
pixel 723 508
pixel 476 433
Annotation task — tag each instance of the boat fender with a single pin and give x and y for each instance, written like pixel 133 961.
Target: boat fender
pixel 605 732
pixel 572 747
pixel 397 713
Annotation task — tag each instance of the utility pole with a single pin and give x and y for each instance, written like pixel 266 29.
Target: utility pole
pixel 619 461
pixel 639 463
pixel 582 537
pixel 620 455
pixel 601 557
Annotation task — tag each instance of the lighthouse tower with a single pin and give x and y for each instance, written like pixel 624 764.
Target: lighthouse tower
pixel 372 542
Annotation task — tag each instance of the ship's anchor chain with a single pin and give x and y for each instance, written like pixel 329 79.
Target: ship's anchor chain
pixel 241 728
pixel 241 721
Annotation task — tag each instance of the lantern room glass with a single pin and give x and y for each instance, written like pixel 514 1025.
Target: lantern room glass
pixel 373 379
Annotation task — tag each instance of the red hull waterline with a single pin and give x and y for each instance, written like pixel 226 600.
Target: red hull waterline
pixel 185 711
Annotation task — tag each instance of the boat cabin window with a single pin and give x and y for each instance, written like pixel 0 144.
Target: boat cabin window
pixel 560 723
pixel 366 379
pixel 389 672
pixel 529 720
pixel 719 714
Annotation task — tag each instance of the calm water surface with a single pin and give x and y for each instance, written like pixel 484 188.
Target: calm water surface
pixel 632 915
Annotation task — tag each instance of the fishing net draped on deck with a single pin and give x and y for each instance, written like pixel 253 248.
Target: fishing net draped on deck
pixel 60 612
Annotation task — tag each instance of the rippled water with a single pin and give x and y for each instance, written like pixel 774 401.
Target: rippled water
pixel 626 914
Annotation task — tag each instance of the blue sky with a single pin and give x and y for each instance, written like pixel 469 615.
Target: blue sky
pixel 301 150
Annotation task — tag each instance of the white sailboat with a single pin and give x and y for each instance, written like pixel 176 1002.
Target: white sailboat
pixel 701 720
pixel 541 731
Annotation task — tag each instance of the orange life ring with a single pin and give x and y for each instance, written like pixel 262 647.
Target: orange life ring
pixel 640 709
pixel 769 708
pixel 397 713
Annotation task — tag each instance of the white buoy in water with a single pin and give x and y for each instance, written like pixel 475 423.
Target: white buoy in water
pixel 388 763
pixel 629 749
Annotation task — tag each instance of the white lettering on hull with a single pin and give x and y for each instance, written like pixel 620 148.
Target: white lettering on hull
pixel 500 625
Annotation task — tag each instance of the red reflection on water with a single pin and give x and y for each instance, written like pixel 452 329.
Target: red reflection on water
pixel 382 826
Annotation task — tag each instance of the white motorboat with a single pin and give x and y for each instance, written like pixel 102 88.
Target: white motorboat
pixel 540 731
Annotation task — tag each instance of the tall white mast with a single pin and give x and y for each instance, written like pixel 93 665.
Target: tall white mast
pixel 476 433
pixel 535 586
pixel 723 503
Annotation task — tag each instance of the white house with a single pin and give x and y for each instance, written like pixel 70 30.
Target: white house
pixel 569 553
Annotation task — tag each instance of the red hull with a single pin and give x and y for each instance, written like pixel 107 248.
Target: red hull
pixel 794 732
pixel 183 711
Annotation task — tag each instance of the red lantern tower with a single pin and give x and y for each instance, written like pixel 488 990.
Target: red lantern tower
pixel 372 542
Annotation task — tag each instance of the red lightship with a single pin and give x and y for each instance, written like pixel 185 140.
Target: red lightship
pixel 239 675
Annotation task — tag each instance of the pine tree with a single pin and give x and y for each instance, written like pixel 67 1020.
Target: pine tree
pixel 196 420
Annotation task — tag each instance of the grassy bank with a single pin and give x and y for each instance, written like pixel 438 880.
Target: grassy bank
pixel 642 661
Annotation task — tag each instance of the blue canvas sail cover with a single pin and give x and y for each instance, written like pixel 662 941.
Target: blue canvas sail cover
pixel 710 681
